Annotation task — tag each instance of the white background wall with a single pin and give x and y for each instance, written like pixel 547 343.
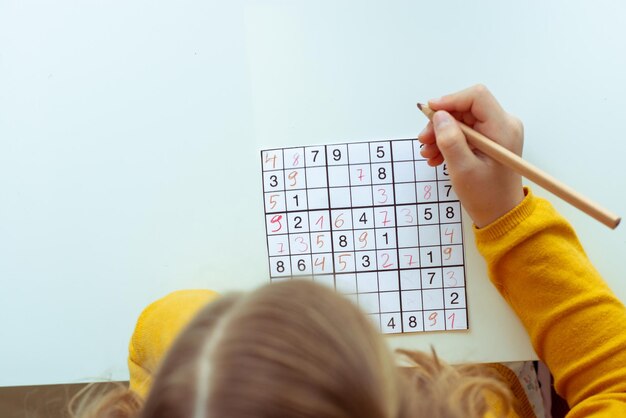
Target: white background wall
pixel 130 134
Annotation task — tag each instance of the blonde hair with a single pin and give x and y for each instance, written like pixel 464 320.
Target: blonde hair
pixel 105 400
pixel 296 349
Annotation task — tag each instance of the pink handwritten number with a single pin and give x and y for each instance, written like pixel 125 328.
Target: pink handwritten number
pixel 451 318
pixel 276 220
pixel 383 194
pixel 407 213
pixel 386 263
pixel 303 244
pixel 427 192
pixel 451 277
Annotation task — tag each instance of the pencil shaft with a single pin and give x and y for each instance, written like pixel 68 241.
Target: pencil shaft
pixel 534 174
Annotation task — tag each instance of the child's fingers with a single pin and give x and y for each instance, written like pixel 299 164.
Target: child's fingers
pixel 433 162
pixel 476 100
pixel 451 142
pixel 429 151
pixel 427 136
pixel 465 117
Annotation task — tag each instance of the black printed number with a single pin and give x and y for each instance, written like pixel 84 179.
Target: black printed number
pixel 431 274
pixel 455 297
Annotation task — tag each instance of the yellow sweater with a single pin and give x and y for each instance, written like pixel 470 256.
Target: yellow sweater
pixel 576 324
pixel 157 327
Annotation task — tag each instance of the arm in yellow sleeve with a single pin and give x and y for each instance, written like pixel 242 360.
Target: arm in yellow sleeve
pixel 157 327
pixel 576 324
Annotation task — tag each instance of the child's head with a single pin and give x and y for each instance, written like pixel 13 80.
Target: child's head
pixel 288 349
pixel 296 349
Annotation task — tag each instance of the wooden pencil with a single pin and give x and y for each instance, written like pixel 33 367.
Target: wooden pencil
pixel 532 173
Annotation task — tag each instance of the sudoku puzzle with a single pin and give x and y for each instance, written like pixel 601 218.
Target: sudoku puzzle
pixel 373 221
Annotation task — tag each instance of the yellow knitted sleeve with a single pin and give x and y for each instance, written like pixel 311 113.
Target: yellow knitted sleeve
pixel 576 324
pixel 157 327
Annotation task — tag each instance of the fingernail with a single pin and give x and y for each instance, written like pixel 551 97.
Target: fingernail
pixel 423 131
pixel 434 101
pixel 441 120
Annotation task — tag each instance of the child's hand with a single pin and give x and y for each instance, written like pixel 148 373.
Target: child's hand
pixel 486 188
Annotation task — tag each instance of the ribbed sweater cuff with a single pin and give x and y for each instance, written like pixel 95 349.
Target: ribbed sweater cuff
pixel 508 221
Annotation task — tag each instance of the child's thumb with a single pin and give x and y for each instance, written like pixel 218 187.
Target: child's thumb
pixel 451 140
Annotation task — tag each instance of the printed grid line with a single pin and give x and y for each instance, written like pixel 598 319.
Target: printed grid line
pixel 419 254
pixel 395 209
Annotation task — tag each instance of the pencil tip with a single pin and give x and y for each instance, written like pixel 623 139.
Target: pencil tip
pixel 419 106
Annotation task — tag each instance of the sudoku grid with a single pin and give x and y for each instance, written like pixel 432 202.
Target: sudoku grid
pixel 373 221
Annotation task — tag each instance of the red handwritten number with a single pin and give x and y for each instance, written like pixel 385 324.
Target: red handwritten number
pixel 385 220
pixel 411 262
pixel 276 220
pixel 296 160
pixel 449 233
pixel 320 222
pixel 451 318
pixel 386 263
pixel 281 248
pixel 360 176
